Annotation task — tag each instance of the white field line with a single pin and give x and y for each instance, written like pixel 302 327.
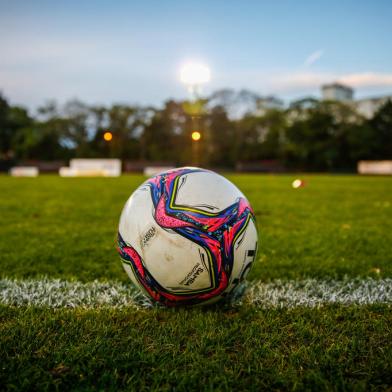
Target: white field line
pixel 56 293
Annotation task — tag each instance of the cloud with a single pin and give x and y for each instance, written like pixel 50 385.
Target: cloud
pixel 313 57
pixel 288 82
pixel 300 82
pixel 367 79
pixel 273 82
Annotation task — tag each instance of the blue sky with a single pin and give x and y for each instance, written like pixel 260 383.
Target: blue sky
pixel 128 51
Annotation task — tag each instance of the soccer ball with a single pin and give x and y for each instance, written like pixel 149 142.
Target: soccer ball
pixel 187 236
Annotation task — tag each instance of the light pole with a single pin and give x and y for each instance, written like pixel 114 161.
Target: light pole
pixel 194 76
pixel 108 138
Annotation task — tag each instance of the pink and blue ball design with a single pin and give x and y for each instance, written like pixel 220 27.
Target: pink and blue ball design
pixel 216 233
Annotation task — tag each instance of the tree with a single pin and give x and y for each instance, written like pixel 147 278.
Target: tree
pixel 5 130
pixel 15 122
pixel 48 138
pixel 250 134
pixel 123 122
pixel 320 136
pixel 261 137
pixel 77 114
pixel 381 125
pixel 273 123
pixel 221 139
pixel 164 138
pixel 235 126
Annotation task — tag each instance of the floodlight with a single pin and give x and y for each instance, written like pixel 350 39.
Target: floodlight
pixel 193 74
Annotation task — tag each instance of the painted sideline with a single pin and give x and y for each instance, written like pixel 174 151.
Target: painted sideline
pixel 57 293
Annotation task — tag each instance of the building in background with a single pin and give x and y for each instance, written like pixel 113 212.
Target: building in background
pixel 337 92
pixel 368 106
pixel 365 106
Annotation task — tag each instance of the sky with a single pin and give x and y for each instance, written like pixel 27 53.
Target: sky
pixel 105 52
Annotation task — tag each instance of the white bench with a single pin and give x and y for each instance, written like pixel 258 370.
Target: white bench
pixel 92 168
pixel 24 171
pixel 375 167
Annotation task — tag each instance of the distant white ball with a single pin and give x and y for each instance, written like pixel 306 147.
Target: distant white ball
pixel 297 183
pixel 187 236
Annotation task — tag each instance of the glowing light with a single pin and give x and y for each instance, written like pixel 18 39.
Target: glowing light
pixel 298 183
pixel 194 74
pixel 108 136
pixel 196 136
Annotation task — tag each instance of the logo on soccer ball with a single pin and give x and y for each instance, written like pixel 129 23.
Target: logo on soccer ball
pixel 187 236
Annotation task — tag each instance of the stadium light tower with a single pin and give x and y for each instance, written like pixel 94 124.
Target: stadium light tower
pixel 194 76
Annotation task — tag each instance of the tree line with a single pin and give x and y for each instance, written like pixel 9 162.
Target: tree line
pixel 236 127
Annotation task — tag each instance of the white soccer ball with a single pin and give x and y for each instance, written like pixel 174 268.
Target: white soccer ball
pixel 187 236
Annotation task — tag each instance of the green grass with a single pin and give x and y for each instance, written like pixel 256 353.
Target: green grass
pixel 192 350
pixel 66 228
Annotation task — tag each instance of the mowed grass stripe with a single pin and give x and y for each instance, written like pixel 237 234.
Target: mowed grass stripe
pixel 57 293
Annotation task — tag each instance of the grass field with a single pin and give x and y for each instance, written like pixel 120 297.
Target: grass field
pixel 336 229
